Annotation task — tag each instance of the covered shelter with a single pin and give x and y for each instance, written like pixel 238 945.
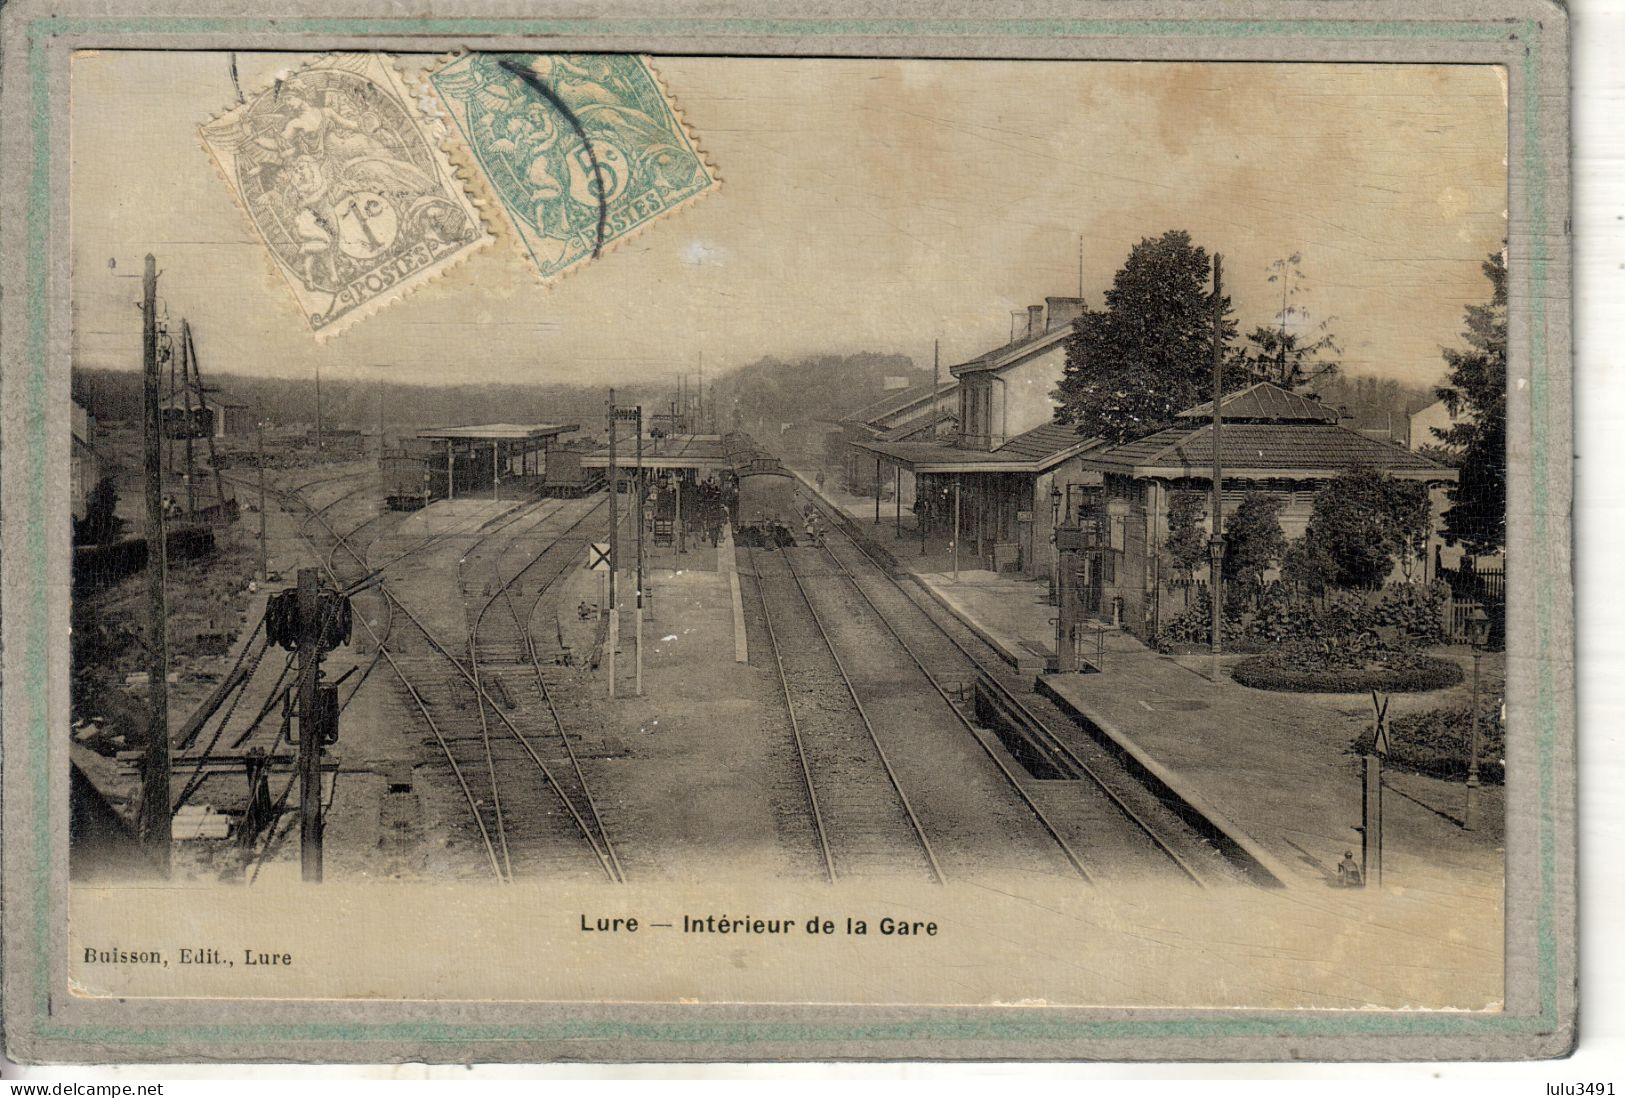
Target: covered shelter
pixel 480 456
pixel 692 456
pixel 1271 441
pixel 994 508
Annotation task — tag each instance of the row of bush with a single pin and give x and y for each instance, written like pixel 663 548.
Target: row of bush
pixel 1438 742
pixel 1400 673
pixel 1401 613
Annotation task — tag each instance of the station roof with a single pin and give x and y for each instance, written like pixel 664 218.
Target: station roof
pixel 878 413
pixel 670 452
pixel 485 432
pixel 1034 451
pixel 1300 450
pixel 1265 402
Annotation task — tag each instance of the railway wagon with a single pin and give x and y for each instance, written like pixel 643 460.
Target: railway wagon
pixel 767 510
pixel 563 476
pixel 415 474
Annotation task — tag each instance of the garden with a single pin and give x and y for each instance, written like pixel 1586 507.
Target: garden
pixel 1343 609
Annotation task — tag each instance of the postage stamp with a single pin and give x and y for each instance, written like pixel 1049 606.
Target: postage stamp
pixel 580 151
pixel 355 204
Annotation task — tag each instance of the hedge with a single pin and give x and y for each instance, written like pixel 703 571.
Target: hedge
pixel 1426 673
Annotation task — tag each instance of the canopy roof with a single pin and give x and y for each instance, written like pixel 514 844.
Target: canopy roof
pixel 486 432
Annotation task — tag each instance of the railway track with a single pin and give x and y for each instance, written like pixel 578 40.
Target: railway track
pixel 1103 810
pixel 513 804
pixel 861 815
pixel 500 639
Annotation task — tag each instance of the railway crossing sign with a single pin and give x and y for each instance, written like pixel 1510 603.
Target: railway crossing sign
pixel 598 556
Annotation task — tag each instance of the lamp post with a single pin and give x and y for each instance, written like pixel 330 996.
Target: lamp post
pixel 1478 629
pixel 1055 553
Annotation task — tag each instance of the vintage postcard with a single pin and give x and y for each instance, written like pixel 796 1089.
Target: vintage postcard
pixel 1049 537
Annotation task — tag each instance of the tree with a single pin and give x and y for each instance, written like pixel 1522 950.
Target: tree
pixel 1362 521
pixel 1254 540
pixel 1296 352
pixel 101 524
pixel 1478 384
pixel 1307 567
pixel 1187 539
pixel 1148 355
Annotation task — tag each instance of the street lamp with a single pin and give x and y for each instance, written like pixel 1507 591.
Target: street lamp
pixel 1478 632
pixel 1055 563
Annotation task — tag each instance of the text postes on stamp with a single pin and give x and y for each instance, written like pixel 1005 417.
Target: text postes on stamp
pixel 356 205
pixel 580 150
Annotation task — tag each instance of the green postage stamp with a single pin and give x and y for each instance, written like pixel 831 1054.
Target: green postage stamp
pixel 581 151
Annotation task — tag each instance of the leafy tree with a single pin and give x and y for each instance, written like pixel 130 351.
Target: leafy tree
pixel 1361 522
pixel 1297 352
pixel 1254 541
pixel 1187 538
pixel 1307 566
pixel 1478 382
pixel 101 524
pixel 1148 354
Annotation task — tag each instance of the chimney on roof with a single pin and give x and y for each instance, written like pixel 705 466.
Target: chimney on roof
pixel 1063 310
pixel 1015 325
pixel 1035 320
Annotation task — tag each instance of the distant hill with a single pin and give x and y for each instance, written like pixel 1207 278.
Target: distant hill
pixel 773 396
pixel 761 398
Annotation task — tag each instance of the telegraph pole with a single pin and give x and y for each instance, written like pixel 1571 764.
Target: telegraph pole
pixel 311 628
pixel 319 445
pixel 638 679
pixel 614 546
pixel 155 766
pixel 259 441
pixel 186 391
pixel 1216 542
pixel 936 382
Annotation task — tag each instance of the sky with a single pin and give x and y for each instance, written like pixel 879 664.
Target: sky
pixel 866 205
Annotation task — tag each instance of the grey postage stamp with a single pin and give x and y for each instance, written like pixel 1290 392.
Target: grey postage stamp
pixel 581 151
pixel 355 204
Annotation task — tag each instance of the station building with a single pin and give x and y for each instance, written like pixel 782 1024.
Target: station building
pixel 85 466
pixel 906 415
pixel 992 490
pixel 229 419
pixel 1271 440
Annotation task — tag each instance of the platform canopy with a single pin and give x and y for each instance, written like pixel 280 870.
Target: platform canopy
pixel 698 452
pixel 1035 451
pixel 503 432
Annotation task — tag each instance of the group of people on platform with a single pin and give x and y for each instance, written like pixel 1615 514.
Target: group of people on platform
pixel 704 507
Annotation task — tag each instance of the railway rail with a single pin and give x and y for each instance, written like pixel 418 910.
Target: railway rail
pixel 944 648
pixel 862 817
pixel 507 811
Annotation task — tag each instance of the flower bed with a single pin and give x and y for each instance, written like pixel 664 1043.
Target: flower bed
pixel 1437 743
pixel 1416 674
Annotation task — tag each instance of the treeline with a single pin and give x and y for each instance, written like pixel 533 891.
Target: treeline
pixel 1370 399
pixel 771 396
pixel 113 395
pixel 763 395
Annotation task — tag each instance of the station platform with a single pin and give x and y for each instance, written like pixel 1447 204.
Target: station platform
pixel 1273 772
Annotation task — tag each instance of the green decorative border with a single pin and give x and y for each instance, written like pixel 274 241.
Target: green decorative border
pixel 1017 1024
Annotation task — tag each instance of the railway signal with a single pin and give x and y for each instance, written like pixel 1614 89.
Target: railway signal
pixel 633 415
pixel 311 619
